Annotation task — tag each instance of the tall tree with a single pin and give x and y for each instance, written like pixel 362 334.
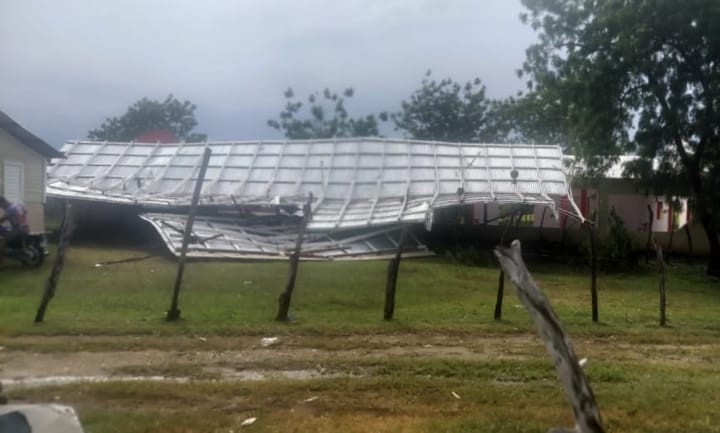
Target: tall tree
pixel 637 76
pixel 447 111
pixel 148 115
pixel 326 117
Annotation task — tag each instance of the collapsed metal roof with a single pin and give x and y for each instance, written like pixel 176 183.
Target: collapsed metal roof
pixel 222 237
pixel 356 182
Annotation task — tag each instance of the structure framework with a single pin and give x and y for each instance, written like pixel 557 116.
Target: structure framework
pixel 357 183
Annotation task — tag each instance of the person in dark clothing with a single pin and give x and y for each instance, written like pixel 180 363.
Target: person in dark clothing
pixel 16 216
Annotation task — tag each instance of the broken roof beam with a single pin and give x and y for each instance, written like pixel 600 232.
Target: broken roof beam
pixel 273 176
pixel 325 179
pixel 408 183
pixel 251 166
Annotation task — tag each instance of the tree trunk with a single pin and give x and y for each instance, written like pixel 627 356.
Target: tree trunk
pixel 689 237
pixel 706 219
pixel 713 265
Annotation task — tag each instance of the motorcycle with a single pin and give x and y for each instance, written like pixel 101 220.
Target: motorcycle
pixel 29 249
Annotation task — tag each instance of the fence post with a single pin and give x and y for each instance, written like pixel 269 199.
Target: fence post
pixel 66 229
pixel 649 236
pixel 593 270
pixel 174 313
pixel 661 279
pixel 286 296
pixel 557 342
pixel 392 274
pixel 501 278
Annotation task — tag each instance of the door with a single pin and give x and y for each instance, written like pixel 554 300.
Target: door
pixel 13 184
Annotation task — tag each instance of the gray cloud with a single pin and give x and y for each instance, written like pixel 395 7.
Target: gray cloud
pixel 68 65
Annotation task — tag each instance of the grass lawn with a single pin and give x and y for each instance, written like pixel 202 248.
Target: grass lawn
pixel 646 378
pixel 342 297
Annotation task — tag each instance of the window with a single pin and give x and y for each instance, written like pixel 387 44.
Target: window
pixel 13 182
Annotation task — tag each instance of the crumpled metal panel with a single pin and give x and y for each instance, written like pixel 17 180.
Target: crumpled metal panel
pixel 224 237
pixel 356 182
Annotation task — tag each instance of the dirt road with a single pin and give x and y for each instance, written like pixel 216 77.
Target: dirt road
pixel 40 360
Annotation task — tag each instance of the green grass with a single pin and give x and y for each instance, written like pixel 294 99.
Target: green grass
pixel 646 378
pixel 220 298
pixel 412 397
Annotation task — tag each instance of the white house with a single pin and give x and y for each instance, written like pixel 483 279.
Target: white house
pixel 23 158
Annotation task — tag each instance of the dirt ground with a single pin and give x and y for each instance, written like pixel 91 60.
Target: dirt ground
pixel 25 361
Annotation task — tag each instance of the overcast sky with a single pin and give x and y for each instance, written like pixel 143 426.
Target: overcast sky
pixel 67 65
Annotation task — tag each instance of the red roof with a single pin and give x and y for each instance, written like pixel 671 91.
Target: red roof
pixel 158 135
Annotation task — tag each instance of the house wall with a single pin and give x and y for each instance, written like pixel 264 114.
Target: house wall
pixel 33 177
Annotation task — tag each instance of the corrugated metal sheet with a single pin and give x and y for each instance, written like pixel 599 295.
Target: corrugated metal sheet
pixel 219 237
pixel 356 182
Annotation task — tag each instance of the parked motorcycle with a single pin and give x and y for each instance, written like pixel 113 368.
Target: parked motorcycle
pixel 28 249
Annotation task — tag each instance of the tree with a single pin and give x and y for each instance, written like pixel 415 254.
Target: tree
pixel 637 76
pixel 148 115
pixel 447 111
pixel 327 117
pixel 529 118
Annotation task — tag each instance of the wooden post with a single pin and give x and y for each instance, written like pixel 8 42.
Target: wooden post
pixel 661 279
pixel 672 233
pixel 392 274
pixel 649 236
pixel 501 277
pixel 593 270
pixel 286 296
pixel 542 223
pixel 557 342
pixel 174 313
pixel 66 229
pixel 499 299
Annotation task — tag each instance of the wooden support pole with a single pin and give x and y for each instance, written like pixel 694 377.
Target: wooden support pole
pixel 66 229
pixel 286 296
pixel 661 279
pixel 592 234
pixel 500 293
pixel 392 274
pixel 174 313
pixel 672 234
pixel 649 236
pixel 501 278
pixel 557 342
pixel 542 223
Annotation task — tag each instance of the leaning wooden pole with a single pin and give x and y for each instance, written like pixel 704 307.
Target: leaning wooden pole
pixel 392 274
pixel 661 279
pixel 174 313
pixel 286 296
pixel 66 229
pixel 559 347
